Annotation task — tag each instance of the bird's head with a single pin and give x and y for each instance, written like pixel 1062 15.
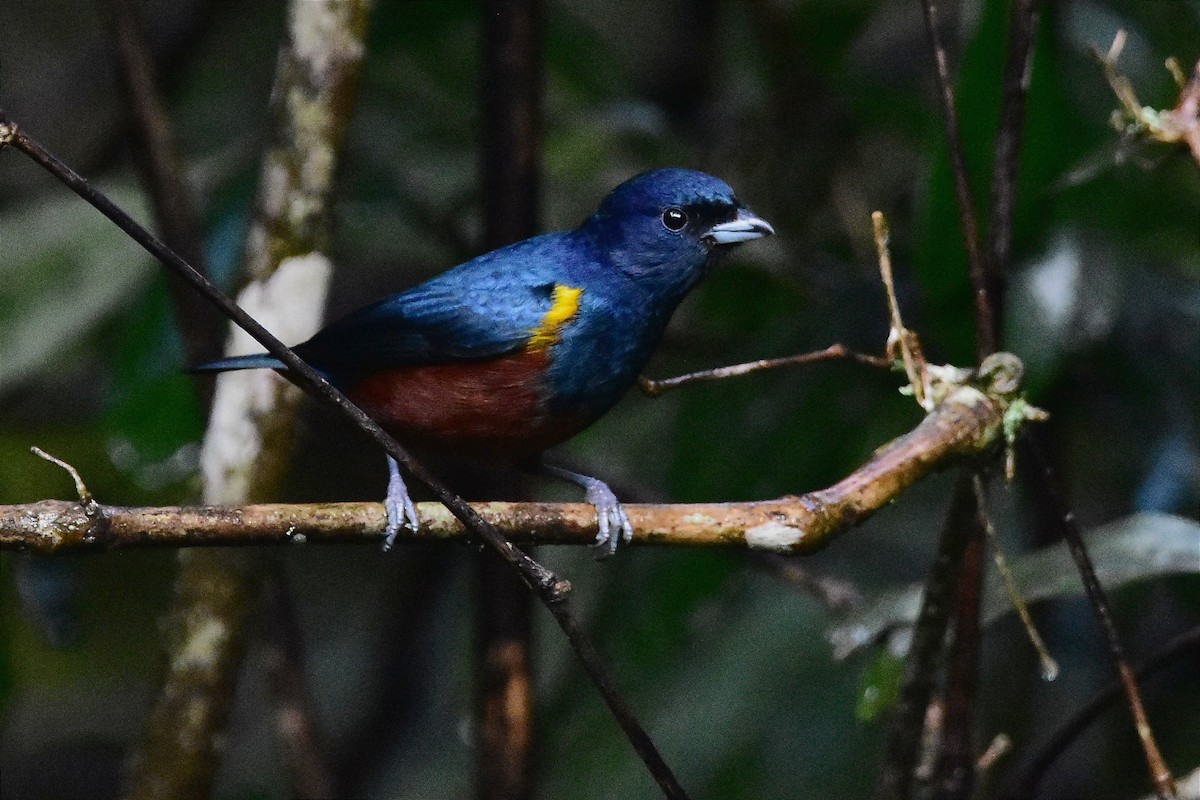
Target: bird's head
pixel 668 226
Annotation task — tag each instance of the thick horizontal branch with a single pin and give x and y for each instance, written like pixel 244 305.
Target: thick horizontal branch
pixel 967 423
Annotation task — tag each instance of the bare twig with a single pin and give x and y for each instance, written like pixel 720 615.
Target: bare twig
pixel 1160 774
pixel 510 95
pixel 1018 67
pixel 1049 665
pixel 655 388
pixel 985 324
pixel 86 501
pixel 899 337
pixel 1026 782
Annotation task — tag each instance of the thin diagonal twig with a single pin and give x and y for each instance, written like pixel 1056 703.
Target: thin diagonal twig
pixel 1026 783
pixel 1015 598
pixel 1160 774
pixel 655 388
pixel 552 591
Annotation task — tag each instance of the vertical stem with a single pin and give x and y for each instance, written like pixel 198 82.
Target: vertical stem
pixel 200 325
pixel 985 325
pixel 511 98
pixel 1017 70
pixel 908 718
pixel 956 761
pixel 511 91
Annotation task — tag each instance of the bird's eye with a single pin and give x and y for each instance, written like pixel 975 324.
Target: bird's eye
pixel 674 219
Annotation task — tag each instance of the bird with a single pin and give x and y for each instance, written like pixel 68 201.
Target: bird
pixel 521 348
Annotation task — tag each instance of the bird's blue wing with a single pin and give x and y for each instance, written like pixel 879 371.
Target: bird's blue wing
pixel 484 308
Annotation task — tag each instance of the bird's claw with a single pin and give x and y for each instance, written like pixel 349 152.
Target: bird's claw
pixel 401 511
pixel 611 518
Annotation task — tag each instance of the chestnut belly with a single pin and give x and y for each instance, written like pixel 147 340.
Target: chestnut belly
pixel 486 408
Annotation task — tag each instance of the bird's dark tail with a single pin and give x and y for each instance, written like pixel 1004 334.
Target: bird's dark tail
pixel 259 361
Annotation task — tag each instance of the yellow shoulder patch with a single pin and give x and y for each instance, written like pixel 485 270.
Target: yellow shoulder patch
pixel 563 305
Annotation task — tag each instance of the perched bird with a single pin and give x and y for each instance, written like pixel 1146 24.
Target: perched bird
pixel 525 346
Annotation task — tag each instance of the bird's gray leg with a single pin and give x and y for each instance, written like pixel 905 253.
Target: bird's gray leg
pixel 610 516
pixel 400 508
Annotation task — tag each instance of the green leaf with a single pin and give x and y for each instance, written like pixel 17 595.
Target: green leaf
pixel 64 269
pixel 879 686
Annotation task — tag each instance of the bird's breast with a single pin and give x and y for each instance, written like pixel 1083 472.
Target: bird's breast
pixel 496 407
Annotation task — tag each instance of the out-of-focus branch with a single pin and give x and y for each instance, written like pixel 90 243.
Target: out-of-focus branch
pixel 510 97
pixel 837 596
pixel 1018 67
pixel 200 325
pixel 985 324
pixel 179 754
pixel 294 718
pixel 969 422
pixel 907 721
pixel 247 442
pixel 954 775
pixel 1178 125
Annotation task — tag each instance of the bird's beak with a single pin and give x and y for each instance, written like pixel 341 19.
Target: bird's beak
pixel 745 227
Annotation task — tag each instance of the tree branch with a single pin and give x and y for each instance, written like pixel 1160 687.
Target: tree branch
pixel 969 422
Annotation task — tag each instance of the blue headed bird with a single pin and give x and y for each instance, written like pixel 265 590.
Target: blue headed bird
pixel 525 346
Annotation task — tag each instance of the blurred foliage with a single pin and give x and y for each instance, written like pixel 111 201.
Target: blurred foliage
pixel 1139 548
pixel 817 113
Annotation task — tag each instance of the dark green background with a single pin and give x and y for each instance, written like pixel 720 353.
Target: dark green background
pixel 817 113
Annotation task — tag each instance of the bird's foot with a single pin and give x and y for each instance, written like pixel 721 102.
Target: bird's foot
pixel 611 519
pixel 400 508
